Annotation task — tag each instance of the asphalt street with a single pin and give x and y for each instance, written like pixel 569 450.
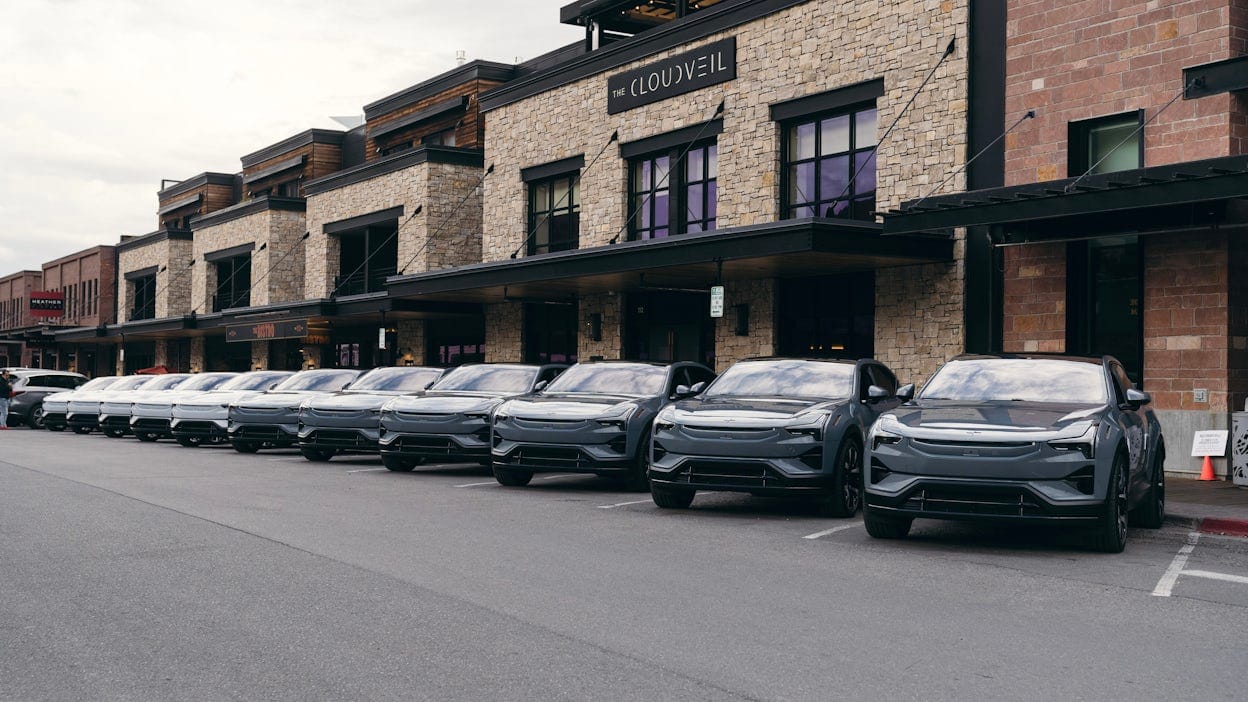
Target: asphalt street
pixel 141 571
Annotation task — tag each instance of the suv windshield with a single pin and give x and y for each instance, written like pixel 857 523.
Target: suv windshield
pixel 318 381
pixel 1019 380
pixel 611 379
pixel 811 379
pixel 165 382
pixel 131 383
pixel 208 381
pixel 260 380
pixel 99 383
pixel 397 379
pixel 504 379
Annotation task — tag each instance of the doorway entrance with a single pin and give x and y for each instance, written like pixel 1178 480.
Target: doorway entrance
pixel 666 326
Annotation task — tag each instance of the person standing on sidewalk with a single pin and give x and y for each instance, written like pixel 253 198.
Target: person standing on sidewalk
pixel 6 392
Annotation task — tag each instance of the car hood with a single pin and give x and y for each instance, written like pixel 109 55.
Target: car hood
pixel 352 401
pixel 95 396
pixel 569 406
pixel 60 396
pixel 280 400
pixel 989 421
pixel 747 411
pixel 216 397
pixel 446 403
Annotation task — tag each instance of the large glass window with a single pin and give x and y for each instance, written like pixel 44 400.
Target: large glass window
pixel 144 290
pixel 674 194
pixel 368 257
pixel 233 283
pixel 554 214
pixel 829 165
pixel 1106 144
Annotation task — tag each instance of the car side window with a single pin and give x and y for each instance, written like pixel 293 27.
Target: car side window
pixel 679 377
pixel 1121 382
pixel 43 381
pixel 864 381
pixel 700 375
pixel 882 377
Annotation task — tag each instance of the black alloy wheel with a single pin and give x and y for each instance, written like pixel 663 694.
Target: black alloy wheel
pixel 1110 535
pixel 316 455
pixel 1151 513
pixel 881 526
pixel 82 431
pixel 638 479
pixel 845 495
pixel 146 437
pixel 54 427
pixel 190 441
pixel 671 498
pixel 398 464
pixel 511 477
pixel 114 433
pixel 36 417
pixel 244 446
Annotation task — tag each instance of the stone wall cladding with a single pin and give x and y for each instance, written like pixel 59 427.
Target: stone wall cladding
pixel 280 230
pixel 761 296
pixel 411 341
pixel 804 50
pixel 173 285
pixel 439 188
pixel 1078 59
pixel 919 316
pixel 611 346
pixel 504 332
pixel 1034 308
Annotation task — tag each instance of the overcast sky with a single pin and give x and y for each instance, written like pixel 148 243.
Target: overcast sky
pixel 101 99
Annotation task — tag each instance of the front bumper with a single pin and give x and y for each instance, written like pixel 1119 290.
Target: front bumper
pixel 447 438
pixel 982 500
pixel 760 461
pixel 151 425
pixel 211 429
pixel 83 420
pixel 279 427
pixel 54 419
pixel 118 422
pixel 356 431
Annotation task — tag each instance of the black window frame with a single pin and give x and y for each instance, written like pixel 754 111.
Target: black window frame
pixel 678 186
pixel 1079 146
pixel 144 305
pixel 860 208
pixel 545 216
pixel 233 287
pixel 380 242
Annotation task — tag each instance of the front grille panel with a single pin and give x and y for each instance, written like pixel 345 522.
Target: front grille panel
pixel 261 432
pixel 339 439
pixel 999 502
pixel 756 475
pixel 149 424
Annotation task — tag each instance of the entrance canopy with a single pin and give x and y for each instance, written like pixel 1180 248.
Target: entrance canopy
pixel 789 249
pixel 1141 201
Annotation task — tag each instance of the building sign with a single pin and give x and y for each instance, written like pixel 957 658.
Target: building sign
pixel 267 331
pixel 693 70
pixel 717 301
pixel 47 304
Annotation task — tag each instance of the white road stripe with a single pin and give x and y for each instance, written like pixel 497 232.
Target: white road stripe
pixel 833 530
pixel 492 482
pixel 367 470
pixel 1171 576
pixel 553 477
pixel 1217 576
pixel 624 504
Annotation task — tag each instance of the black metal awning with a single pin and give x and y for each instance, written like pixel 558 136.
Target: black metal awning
pixel 1145 200
pixel 788 249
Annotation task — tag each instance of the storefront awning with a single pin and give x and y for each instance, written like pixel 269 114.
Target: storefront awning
pixel 1145 200
pixel 788 249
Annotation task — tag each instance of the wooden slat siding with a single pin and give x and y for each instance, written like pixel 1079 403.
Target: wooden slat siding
pixel 320 160
pixel 325 159
pixel 470 134
pixel 216 197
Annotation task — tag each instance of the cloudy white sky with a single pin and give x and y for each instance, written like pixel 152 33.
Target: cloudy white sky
pixel 101 99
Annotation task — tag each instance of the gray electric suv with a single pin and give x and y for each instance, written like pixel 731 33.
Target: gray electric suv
pixel 271 419
pixel 350 420
pixel 594 418
pixel 775 427
pixel 451 422
pixel 1023 439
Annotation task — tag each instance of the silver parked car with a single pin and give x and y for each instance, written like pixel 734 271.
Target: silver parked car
pixel 1020 439
pixel 56 406
pixel 83 413
pixel 205 417
pixel 117 408
pixel 150 416
pixel 271 419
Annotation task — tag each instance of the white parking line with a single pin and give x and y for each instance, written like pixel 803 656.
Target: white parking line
pixel 833 530
pixel 367 470
pixel 492 482
pixel 1171 576
pixel 1217 576
pixel 553 477
pixel 624 504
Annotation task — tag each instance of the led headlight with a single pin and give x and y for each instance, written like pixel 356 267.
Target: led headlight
pixel 1085 444
pixel 886 430
pixel 809 424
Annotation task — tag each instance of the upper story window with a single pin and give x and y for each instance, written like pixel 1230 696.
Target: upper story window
pixel 1106 144
pixel 671 193
pixel 554 214
pixel 144 296
pixel 829 165
pixel 233 283
pixel 446 137
pixel 367 256
pixel 401 146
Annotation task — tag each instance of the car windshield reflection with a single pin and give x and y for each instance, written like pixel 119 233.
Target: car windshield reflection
pixel 797 379
pixel 1018 380
pixel 317 380
pixel 253 381
pixel 502 379
pixel 208 381
pixel 611 379
pixel 396 380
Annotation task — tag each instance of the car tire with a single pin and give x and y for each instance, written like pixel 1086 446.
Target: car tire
pixel 638 479
pixel 35 420
pixel 399 464
pixel 82 431
pixel 1151 513
pixel 669 498
pixel 190 441
pixel 511 477
pixel 1110 535
pixel 146 437
pixel 881 526
pixel 845 496
pixel 316 455
pixel 114 433
pixel 54 427
pixel 245 446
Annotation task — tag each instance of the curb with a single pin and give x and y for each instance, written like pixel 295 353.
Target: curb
pixel 1210 525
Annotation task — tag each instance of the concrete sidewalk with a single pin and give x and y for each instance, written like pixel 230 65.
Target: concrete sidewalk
pixel 1216 506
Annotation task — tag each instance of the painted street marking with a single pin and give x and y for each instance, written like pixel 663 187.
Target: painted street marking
pixel 1217 576
pixel 492 482
pixel 367 470
pixel 833 530
pixel 624 504
pixel 1171 576
pixel 554 477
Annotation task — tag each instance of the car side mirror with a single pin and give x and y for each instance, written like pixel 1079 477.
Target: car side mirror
pixel 875 393
pixel 697 388
pixel 1138 398
pixel 541 385
pixel 905 393
pixel 682 391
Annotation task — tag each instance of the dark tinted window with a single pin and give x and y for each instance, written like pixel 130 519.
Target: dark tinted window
pixel 796 378
pixel 700 375
pixel 881 377
pixel 54 381
pixel 507 379
pixel 397 379
pixel 611 379
pixel 1021 379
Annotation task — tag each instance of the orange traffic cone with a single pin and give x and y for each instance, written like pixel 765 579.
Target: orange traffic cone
pixel 1206 470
